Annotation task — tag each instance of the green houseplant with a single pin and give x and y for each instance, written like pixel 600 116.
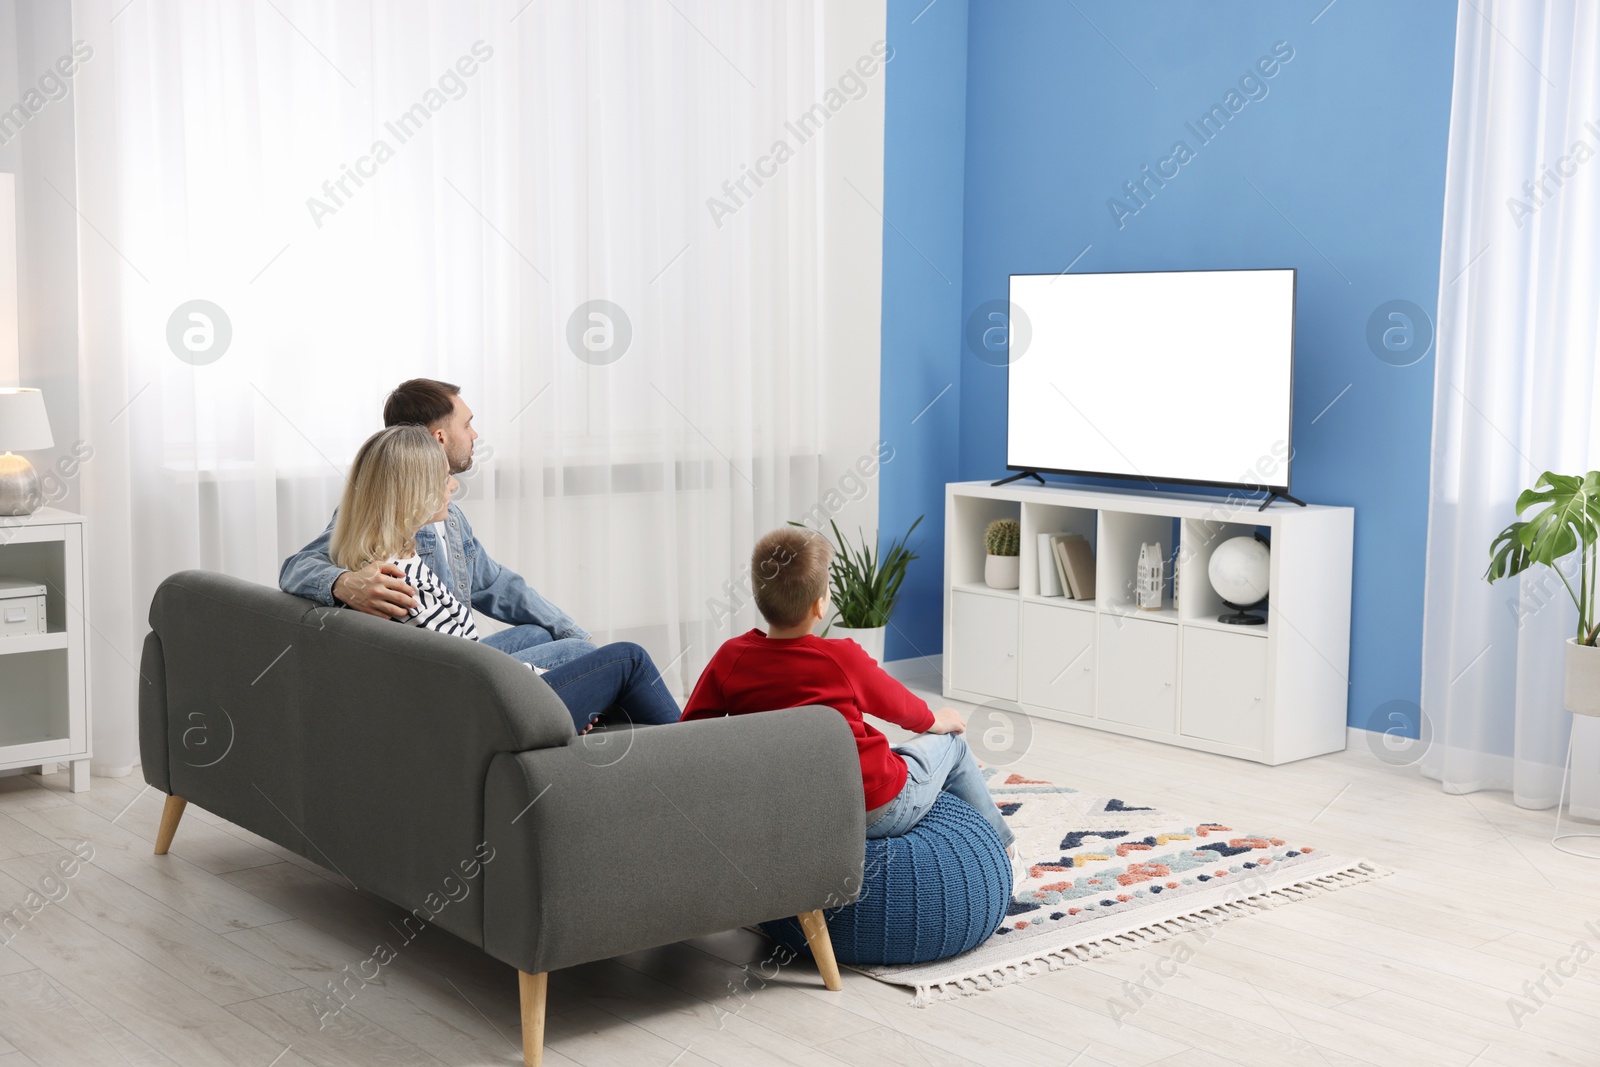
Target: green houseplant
pixel 1568 521
pixel 864 584
pixel 1002 567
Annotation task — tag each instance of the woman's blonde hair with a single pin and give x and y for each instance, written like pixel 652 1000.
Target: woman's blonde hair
pixel 398 482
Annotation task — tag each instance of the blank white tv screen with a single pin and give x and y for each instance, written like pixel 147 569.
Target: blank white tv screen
pixel 1177 376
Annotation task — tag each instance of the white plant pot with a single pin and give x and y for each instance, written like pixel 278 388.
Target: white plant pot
pixel 1583 678
pixel 869 638
pixel 1002 572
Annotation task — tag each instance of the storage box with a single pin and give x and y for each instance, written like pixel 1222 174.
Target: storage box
pixel 21 608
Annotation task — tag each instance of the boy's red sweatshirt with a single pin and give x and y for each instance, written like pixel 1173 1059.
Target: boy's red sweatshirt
pixel 753 673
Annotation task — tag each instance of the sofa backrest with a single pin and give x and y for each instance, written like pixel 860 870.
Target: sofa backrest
pixel 359 743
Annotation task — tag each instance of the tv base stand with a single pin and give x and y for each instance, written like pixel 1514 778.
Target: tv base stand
pixel 1017 477
pixel 1280 496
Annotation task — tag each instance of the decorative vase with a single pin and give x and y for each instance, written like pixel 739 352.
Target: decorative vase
pixel 1152 572
pixel 870 638
pixel 1002 572
pixel 1583 678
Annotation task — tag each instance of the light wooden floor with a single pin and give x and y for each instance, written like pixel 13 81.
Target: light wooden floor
pixel 207 956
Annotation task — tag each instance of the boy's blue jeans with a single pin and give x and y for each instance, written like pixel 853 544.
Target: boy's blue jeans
pixel 937 763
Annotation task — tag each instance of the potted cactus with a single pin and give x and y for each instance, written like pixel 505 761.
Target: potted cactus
pixel 1569 523
pixel 1003 567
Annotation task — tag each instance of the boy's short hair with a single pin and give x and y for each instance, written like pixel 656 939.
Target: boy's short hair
pixel 789 572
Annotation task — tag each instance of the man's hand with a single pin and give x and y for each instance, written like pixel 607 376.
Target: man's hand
pixel 947 721
pixel 378 589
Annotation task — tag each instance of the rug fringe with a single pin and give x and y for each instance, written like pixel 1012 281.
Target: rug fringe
pixel 1154 933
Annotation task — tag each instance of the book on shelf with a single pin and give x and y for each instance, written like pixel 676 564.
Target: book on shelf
pixel 1058 557
pixel 1077 561
pixel 1049 578
pixel 1057 566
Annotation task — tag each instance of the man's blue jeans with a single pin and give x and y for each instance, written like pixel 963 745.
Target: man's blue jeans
pixel 937 763
pixel 533 644
pixel 619 681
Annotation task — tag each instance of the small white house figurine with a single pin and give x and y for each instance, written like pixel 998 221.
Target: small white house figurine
pixel 1152 571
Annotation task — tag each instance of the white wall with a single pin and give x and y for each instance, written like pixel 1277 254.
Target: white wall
pixel 39 248
pixel 34 34
pixel 8 230
pixel 10 371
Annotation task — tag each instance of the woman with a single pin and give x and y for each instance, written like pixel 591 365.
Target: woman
pixel 400 482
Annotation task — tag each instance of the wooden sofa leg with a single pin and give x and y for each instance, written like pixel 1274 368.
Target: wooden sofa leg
pixel 532 988
pixel 816 928
pixel 169 823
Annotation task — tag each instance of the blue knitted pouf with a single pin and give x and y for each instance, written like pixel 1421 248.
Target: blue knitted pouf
pixel 936 891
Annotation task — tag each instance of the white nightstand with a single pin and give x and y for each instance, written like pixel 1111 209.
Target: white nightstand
pixel 44 677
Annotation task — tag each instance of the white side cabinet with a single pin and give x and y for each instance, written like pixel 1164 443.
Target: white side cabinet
pixel 44 677
pixel 1272 693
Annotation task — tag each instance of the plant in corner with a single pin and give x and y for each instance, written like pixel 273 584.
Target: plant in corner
pixel 1568 523
pixel 864 585
pixel 1002 568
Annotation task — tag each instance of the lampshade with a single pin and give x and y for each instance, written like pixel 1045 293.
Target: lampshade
pixel 24 426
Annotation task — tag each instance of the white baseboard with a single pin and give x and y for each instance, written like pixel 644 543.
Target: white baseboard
pixel 917 667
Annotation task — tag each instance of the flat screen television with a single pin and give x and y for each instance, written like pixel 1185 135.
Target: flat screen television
pixel 1165 376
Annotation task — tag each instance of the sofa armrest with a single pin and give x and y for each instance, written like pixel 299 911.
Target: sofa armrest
pixel 623 841
pixel 154 756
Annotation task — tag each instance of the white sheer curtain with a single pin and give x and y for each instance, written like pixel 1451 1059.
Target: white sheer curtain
pixel 1516 389
pixel 511 161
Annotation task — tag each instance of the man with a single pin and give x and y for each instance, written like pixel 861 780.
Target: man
pixel 540 633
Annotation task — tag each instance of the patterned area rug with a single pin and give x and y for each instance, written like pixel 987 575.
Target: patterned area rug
pixel 1106 874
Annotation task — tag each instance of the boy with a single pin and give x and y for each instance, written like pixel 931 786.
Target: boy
pixel 787 667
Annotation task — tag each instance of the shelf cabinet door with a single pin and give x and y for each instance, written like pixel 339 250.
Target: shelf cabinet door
pixel 983 656
pixel 1225 687
pixel 1138 672
pixel 1058 658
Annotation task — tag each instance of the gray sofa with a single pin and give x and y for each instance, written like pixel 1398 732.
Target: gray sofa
pixel 445 777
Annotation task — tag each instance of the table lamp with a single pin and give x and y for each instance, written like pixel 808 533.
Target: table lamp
pixel 24 427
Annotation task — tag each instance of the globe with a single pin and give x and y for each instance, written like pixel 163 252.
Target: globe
pixel 1239 571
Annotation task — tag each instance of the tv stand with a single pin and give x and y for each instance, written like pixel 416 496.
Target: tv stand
pixel 1017 477
pixel 1271 692
pixel 1280 496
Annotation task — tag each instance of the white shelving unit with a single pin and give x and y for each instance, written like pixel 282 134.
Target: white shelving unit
pixel 44 678
pixel 1271 693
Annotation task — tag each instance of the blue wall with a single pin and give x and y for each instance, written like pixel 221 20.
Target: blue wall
pixel 925 105
pixel 1334 165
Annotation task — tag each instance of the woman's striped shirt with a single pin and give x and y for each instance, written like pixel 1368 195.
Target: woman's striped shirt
pixel 437 608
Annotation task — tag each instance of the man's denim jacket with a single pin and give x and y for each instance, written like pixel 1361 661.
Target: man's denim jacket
pixel 474 578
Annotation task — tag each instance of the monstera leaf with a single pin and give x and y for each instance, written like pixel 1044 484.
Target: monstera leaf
pixel 1568 521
